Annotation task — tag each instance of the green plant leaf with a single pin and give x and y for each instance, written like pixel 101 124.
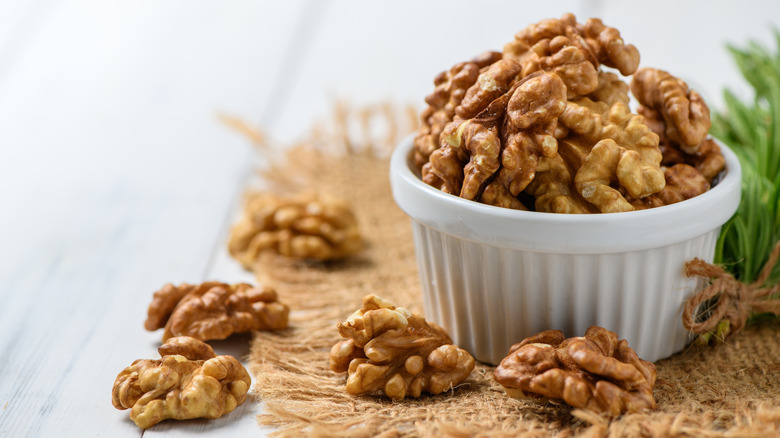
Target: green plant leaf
pixel 750 128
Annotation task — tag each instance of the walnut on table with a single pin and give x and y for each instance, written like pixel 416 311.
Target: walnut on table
pixel 189 381
pixel 594 372
pixel 390 350
pixel 215 310
pixel 305 226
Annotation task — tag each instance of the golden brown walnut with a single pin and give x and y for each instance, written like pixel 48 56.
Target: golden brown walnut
pixel 655 122
pixel 547 28
pixel 624 151
pixel 472 150
pixel 497 194
pixel 391 350
pixel 187 346
pixel 609 47
pixel 304 226
pixel 682 182
pixel 553 188
pixel 685 114
pixel 189 381
pixel 707 159
pixel 594 372
pixel 610 89
pixel 469 154
pixel 560 56
pixel 491 84
pixel 215 310
pixel 597 156
pixel 529 127
pixel 572 50
pixel 450 89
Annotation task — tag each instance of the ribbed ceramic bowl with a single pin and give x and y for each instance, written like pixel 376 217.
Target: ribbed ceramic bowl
pixel 492 276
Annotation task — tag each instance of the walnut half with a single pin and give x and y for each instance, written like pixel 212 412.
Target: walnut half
pixel 214 310
pixel 189 381
pixel 595 372
pixel 305 226
pixel 391 350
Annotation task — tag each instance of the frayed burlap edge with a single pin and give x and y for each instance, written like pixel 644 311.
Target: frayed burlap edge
pixel 730 390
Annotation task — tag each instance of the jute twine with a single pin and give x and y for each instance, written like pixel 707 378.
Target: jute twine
pixel 730 390
pixel 735 301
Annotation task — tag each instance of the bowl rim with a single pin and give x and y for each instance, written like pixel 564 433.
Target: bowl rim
pixel 563 233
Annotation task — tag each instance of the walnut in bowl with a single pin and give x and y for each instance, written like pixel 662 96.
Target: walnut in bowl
pixel 511 140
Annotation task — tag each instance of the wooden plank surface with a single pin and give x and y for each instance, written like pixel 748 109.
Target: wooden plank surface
pixel 116 177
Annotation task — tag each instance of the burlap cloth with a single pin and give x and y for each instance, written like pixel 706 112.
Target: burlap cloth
pixel 731 389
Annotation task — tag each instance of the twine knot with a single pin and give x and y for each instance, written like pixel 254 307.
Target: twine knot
pixel 734 301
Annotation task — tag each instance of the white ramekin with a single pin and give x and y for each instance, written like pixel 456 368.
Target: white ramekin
pixel 492 276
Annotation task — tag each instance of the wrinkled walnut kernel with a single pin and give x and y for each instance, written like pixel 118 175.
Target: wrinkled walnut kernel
pixel 309 227
pixel 215 310
pixel 189 381
pixel 597 156
pixel 685 114
pixel 390 350
pixel 595 372
pixel 682 182
pixel 472 150
pixel 451 87
pixel 624 151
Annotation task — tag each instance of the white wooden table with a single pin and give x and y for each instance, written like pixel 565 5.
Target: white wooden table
pixel 116 176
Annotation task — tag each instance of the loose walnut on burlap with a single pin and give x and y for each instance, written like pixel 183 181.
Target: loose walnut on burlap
pixel 305 226
pixel 451 87
pixel 391 350
pixel 189 381
pixel 215 310
pixel 595 372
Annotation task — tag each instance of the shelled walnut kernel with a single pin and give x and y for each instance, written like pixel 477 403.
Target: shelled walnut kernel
pixel 214 310
pixel 189 381
pixel 390 350
pixel 307 227
pixel 595 372
pixel 608 159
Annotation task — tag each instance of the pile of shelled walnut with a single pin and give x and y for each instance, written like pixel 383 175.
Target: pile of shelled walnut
pixel 543 126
